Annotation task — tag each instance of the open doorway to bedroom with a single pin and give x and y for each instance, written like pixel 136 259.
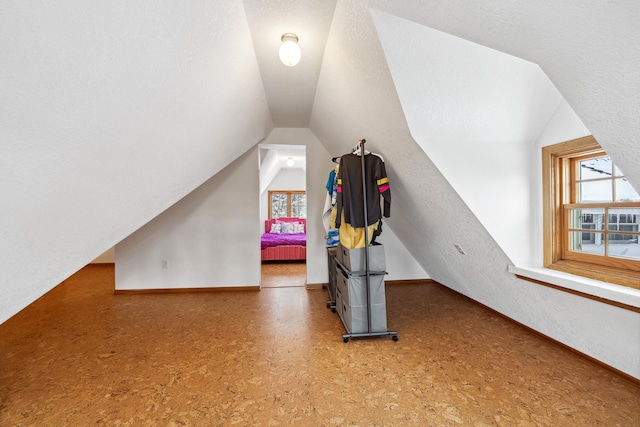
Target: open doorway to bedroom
pixel 283 215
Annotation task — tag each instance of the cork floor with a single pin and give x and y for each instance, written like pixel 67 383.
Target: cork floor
pixel 82 356
pixel 283 274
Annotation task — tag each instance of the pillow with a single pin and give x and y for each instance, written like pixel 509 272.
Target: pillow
pixel 288 227
pixel 276 228
pixel 299 228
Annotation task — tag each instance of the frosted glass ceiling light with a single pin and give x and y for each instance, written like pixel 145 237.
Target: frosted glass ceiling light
pixel 290 53
pixel 290 161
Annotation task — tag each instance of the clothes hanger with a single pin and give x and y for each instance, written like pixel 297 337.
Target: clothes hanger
pixel 356 149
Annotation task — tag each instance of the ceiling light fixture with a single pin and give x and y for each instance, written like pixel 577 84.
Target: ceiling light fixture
pixel 290 53
pixel 290 161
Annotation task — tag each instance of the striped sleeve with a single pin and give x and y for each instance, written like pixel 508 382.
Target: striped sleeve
pixel 384 189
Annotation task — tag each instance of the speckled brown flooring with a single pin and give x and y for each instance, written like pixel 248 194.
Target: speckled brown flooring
pixel 82 356
pixel 283 274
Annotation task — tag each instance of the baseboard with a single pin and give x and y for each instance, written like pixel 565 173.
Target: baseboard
pixel 593 360
pixel 408 282
pixel 184 290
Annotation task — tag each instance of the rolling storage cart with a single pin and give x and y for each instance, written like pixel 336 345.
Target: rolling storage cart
pixel 359 279
pixel 361 304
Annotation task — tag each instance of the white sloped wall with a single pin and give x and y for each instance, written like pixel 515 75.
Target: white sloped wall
pixel 434 216
pixel 209 239
pixel 476 115
pixel 110 112
pixel 590 50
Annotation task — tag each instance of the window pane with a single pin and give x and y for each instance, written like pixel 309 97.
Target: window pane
pixel 587 219
pixel 590 243
pixel 624 219
pixel 625 192
pixel 599 167
pixel 278 205
pixel 595 191
pixel 299 205
pixel 623 246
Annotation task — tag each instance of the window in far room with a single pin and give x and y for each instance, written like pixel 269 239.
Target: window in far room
pixel 591 214
pixel 283 203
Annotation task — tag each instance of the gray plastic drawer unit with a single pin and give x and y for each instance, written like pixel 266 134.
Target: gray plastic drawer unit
pixel 355 318
pixel 354 259
pixel 354 289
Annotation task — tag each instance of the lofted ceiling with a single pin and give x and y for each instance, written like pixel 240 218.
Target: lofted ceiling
pixel 290 91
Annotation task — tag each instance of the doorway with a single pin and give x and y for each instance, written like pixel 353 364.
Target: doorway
pixel 283 213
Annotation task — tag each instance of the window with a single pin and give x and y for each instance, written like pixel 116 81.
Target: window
pixel 283 203
pixel 591 214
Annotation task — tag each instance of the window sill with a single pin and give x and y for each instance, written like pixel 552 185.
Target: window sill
pixel 609 293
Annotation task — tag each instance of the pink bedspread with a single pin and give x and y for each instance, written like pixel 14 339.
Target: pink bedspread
pixel 270 240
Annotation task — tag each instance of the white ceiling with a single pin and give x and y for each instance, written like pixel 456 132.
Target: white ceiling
pixel 527 30
pixel 290 91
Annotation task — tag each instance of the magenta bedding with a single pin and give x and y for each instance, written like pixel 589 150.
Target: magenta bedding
pixel 270 240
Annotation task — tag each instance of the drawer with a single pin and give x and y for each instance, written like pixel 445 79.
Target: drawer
pixel 354 289
pixel 354 259
pixel 341 282
pixel 355 318
pixel 345 315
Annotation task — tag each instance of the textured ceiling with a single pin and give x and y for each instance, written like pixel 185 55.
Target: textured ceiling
pixel 290 91
pixel 526 30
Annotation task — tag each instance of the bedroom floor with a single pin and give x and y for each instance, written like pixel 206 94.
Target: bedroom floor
pixel 283 274
pixel 81 356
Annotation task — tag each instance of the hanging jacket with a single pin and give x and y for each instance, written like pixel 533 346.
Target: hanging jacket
pixel 350 197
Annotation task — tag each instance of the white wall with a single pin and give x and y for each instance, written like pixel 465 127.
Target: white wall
pixel 110 112
pixel 209 239
pixel 589 49
pixel 199 236
pixel 478 127
pixel 401 265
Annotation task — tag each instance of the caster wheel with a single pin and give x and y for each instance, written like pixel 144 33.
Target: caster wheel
pixel 395 338
pixel 328 304
pixel 333 310
pixel 345 339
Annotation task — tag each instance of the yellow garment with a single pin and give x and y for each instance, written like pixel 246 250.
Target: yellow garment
pixel 351 237
pixel 332 216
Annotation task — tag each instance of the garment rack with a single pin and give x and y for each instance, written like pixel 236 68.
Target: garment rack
pixel 369 333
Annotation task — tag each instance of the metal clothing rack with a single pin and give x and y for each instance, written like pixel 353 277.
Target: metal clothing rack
pixel 367 272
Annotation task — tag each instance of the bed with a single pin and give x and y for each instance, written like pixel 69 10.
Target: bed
pixel 284 239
